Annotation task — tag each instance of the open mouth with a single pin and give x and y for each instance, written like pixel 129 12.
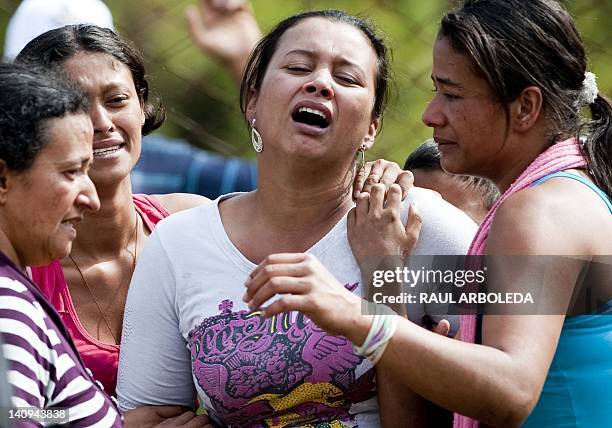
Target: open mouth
pixel 107 151
pixel 311 116
pixel 69 226
pixel 71 221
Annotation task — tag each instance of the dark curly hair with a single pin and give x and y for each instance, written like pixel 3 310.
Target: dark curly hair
pixel 58 45
pixel 29 97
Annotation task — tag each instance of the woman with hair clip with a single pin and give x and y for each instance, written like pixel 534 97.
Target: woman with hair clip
pixel 89 286
pixel 511 84
pixel 314 105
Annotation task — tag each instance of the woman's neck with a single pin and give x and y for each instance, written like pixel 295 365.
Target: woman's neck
pixel 291 210
pixel 108 230
pixel 524 150
pixel 9 250
pixel 504 179
pixel 299 199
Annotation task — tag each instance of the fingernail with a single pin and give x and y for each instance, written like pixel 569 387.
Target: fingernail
pixel 245 298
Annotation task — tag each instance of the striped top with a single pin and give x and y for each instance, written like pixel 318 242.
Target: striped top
pixel 44 369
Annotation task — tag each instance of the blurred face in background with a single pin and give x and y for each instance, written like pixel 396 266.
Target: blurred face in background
pixel 467 198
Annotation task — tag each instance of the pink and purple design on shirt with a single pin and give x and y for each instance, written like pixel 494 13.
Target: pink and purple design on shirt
pixel 277 372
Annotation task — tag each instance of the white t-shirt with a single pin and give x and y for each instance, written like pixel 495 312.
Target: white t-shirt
pixel 187 331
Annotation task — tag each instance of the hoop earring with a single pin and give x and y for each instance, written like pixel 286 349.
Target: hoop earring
pixel 256 138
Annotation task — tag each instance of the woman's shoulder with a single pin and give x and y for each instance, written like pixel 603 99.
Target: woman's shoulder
pixel 176 202
pixel 432 206
pixel 187 222
pixel 446 229
pixel 569 189
pixel 559 216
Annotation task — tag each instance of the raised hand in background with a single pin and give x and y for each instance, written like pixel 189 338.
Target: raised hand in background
pixel 226 30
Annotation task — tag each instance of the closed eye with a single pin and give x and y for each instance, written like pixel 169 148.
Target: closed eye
pixel 76 170
pixel 72 173
pixel 298 69
pixel 447 95
pixel 451 97
pixel 348 79
pixel 118 100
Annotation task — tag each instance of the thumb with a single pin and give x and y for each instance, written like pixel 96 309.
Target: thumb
pixel 351 220
pixel 413 226
pixel 442 328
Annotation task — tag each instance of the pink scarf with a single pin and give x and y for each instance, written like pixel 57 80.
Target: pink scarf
pixel 558 157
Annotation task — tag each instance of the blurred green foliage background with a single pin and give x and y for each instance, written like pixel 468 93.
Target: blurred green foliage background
pixel 202 99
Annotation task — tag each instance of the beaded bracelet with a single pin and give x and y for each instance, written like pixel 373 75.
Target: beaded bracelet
pixel 382 329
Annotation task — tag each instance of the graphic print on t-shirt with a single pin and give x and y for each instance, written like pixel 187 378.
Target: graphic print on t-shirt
pixel 277 372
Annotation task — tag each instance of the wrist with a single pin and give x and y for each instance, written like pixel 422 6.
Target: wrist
pixel 359 324
pixel 384 325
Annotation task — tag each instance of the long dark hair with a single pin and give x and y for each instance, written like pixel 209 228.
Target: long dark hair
pixel 514 44
pixel 58 45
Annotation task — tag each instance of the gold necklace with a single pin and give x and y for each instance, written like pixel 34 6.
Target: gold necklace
pixel 134 254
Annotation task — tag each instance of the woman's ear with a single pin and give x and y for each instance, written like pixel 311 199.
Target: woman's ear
pixel 526 109
pixel 368 139
pixel 5 178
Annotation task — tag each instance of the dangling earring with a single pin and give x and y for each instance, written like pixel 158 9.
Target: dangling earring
pixel 256 138
pixel 361 156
